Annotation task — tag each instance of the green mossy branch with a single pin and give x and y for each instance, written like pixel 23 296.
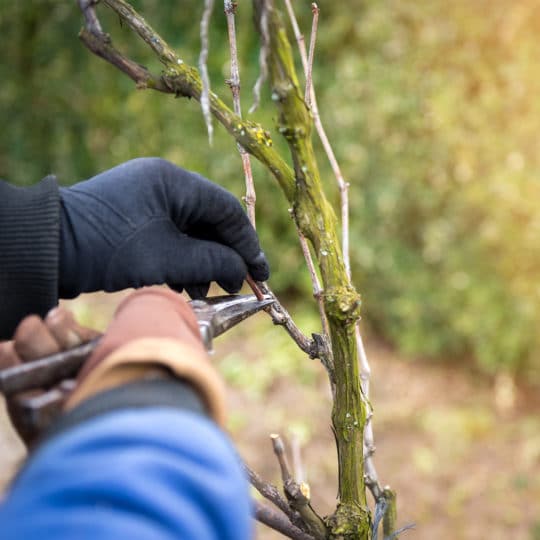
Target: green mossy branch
pixel 313 214
pixel 316 220
pixel 183 80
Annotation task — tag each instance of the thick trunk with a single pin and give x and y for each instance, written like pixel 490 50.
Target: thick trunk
pixel 315 218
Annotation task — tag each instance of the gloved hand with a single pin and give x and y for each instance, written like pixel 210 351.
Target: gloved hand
pixel 149 222
pixel 154 334
pixel 153 328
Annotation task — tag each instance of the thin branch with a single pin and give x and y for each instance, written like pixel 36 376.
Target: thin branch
pixel 277 521
pixel 370 471
pixel 263 58
pixel 182 79
pixel 101 46
pixel 270 492
pixel 280 316
pixel 317 289
pixel 298 494
pixel 279 451
pixel 203 67
pixel 234 84
pixel 91 21
pixel 313 39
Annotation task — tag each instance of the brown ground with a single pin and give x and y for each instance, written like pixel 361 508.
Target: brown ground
pixel 462 453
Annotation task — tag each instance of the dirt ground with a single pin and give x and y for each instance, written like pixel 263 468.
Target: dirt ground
pixel 462 452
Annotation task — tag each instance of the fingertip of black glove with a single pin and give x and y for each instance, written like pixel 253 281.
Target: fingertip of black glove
pixel 231 286
pixel 198 291
pixel 259 268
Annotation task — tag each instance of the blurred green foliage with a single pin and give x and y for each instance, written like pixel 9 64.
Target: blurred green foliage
pixel 432 108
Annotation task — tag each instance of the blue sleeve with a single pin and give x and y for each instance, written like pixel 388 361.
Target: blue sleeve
pixel 155 473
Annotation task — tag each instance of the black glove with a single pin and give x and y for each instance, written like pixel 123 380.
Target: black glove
pixel 148 222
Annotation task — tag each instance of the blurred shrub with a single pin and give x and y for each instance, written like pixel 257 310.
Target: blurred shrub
pixel 432 107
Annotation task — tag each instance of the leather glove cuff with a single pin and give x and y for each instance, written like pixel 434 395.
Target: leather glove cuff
pixel 154 330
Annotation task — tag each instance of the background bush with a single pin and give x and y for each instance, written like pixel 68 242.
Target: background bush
pixel 434 111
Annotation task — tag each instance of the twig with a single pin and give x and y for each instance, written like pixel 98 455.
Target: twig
pixel 318 347
pixel 280 316
pixel 277 521
pixel 298 494
pixel 234 84
pixel 313 39
pixel 270 492
pixel 101 46
pixel 255 288
pixel 317 289
pixel 369 445
pixel 263 59
pixel 203 67
pixel 91 21
pixel 279 451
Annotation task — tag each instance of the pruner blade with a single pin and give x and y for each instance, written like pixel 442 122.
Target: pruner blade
pixel 218 314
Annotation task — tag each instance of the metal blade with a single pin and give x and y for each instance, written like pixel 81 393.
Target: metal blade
pixel 218 314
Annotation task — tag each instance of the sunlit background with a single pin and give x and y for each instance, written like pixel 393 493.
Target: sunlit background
pixel 434 112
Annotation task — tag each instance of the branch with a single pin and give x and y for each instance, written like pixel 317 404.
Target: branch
pixel 263 54
pixel 316 284
pixel 316 220
pixel 312 41
pixel 91 22
pixel 371 476
pixel 314 348
pixel 277 521
pixel 343 185
pixel 101 45
pixel 234 84
pixel 297 494
pixel 270 492
pixel 183 80
pixel 203 67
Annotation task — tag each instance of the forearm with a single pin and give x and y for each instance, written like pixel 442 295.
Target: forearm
pixel 139 471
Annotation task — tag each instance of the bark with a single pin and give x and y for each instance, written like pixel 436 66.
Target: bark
pixel 316 220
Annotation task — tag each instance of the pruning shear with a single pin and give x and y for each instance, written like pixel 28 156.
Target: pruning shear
pixel 215 316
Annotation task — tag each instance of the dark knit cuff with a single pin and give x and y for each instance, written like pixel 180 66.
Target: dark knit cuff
pixel 29 251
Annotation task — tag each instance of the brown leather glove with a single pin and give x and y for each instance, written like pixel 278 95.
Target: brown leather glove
pixel 154 333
